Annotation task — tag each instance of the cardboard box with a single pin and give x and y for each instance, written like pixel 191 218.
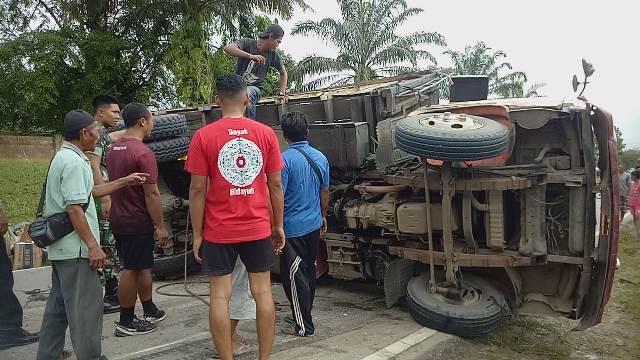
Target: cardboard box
pixel 26 255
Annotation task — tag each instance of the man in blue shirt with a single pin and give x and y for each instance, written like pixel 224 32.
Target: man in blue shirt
pixel 305 181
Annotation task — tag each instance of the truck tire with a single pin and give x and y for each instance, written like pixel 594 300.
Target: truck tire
pixel 451 137
pixel 171 266
pixel 164 127
pixel 482 312
pixel 171 149
pixel 176 177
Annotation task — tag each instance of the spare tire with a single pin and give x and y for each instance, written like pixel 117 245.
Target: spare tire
pixel 171 149
pixel 164 127
pixel 170 266
pixel 451 137
pixel 480 311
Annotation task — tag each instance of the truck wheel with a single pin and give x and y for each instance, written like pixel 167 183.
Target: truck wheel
pixel 170 266
pixel 176 177
pixel 164 127
pixel 171 149
pixel 481 310
pixel 451 137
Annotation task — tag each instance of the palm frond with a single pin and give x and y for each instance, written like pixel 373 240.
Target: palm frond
pixel 314 64
pixel 324 81
pixel 424 38
pixel 397 70
pixel 533 90
pixel 325 28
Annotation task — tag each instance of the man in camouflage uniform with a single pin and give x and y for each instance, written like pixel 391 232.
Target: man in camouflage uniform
pixel 107 113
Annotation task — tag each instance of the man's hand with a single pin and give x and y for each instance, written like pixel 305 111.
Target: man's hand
pixel 135 179
pixel 162 235
pixel 97 257
pixel 105 204
pixel 258 58
pixel 278 238
pixel 4 223
pixel 323 229
pixel 197 244
pixel 283 97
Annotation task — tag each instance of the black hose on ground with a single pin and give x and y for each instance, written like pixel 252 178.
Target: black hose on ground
pixel 185 283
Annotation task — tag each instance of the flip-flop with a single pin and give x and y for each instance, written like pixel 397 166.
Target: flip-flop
pixel 240 350
pixel 242 339
pixel 291 330
pixel 289 320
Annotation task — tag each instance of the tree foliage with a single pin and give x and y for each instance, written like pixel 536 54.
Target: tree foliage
pixel 62 53
pixel 56 55
pixel 367 43
pixel 619 140
pixel 479 59
pixel 629 158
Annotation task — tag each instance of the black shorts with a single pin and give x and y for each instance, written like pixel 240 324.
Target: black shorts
pixel 219 259
pixel 135 251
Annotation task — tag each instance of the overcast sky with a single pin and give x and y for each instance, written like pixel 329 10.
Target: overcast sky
pixel 545 38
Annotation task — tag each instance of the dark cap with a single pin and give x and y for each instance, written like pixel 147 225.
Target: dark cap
pixel 274 29
pixel 76 120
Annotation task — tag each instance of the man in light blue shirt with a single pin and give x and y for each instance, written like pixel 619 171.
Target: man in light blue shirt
pixel 75 299
pixel 305 181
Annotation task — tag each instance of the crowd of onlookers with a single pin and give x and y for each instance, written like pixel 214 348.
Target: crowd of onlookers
pixel 248 202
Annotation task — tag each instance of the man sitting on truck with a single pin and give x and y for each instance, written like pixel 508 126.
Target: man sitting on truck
pixel 305 181
pixel 255 57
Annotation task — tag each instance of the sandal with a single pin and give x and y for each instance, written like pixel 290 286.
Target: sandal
pixel 241 339
pixel 289 320
pixel 240 350
pixel 291 330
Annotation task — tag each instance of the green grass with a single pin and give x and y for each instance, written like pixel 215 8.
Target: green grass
pixel 525 337
pixel 20 186
pixel 529 337
pixel 627 288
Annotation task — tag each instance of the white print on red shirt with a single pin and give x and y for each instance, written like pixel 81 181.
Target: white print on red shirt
pixel 240 162
pixel 234 132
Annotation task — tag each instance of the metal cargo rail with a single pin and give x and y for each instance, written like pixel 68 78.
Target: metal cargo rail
pixel 365 102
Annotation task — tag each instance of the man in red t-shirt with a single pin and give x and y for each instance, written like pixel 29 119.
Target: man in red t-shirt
pixel 235 166
pixel 136 216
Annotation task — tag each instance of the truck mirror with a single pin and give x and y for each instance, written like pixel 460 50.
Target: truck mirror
pixel 588 68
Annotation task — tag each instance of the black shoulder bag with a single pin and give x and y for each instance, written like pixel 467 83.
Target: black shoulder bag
pixel 45 230
pixel 312 163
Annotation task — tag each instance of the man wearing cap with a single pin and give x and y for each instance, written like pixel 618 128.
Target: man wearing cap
pixel 75 299
pixel 255 57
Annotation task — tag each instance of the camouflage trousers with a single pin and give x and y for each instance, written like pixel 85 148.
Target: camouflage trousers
pixel 108 244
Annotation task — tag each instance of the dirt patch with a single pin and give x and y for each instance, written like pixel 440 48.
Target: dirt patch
pixel 524 337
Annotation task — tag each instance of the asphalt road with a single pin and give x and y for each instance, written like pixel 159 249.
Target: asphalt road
pixel 350 317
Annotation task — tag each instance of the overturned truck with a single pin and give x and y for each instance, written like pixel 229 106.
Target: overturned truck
pixel 468 210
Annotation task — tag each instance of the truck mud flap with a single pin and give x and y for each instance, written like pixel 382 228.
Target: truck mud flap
pixel 396 278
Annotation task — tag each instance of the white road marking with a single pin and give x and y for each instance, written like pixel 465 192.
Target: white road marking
pixel 401 345
pixel 155 349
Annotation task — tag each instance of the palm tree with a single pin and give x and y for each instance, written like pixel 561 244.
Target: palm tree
pixel 514 87
pixel 366 41
pixel 479 59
